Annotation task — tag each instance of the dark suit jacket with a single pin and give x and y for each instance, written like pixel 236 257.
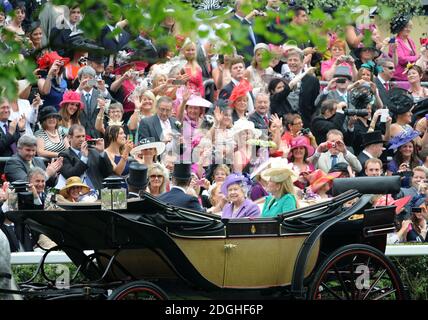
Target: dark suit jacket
pixel 89 113
pixel 320 126
pixel 6 140
pixel 279 104
pixel 97 168
pixel 151 127
pixel 382 92
pixel 258 121
pixel 309 91
pixel 21 234
pixel 242 49
pixel 108 41
pixel 17 169
pixel 178 198
pixel 362 157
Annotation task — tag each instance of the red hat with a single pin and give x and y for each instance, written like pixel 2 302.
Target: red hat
pixel 300 141
pixel 47 60
pixel 71 96
pixel 318 178
pixel 240 90
pixel 136 65
pixel 399 203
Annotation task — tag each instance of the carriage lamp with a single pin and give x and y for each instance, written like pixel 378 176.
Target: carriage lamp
pixel 19 197
pixel 113 194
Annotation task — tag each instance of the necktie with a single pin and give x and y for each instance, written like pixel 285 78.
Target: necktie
pixel 278 20
pixel 6 130
pixel 252 36
pixel 87 98
pixel 79 154
pixel 386 86
pixel 266 120
pixel 333 160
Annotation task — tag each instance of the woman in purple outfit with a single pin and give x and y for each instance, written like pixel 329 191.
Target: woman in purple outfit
pixel 235 190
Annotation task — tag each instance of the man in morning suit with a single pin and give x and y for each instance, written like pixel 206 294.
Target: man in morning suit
pixel 89 95
pixel 260 117
pixel 9 131
pixel 160 126
pixel 373 148
pixel 383 79
pixel 80 160
pixel 177 196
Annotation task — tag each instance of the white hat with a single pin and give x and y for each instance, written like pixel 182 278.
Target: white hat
pixel 244 124
pixel 148 143
pixel 261 45
pixel 198 101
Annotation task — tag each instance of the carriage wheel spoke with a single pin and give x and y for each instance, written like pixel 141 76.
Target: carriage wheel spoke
pixel 325 286
pixel 373 285
pixel 385 294
pixel 339 276
pixel 351 270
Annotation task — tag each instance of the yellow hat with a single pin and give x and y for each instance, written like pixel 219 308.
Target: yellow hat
pixel 73 182
pixel 279 171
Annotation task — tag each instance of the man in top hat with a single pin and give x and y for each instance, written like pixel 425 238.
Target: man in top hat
pixel 373 148
pixel 180 182
pixel 337 87
pixel 137 179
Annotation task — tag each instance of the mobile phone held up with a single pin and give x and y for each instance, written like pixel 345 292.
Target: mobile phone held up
pixel 392 40
pixel 91 143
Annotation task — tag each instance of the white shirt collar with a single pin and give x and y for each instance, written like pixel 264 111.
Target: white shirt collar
pixel 368 154
pixel 381 79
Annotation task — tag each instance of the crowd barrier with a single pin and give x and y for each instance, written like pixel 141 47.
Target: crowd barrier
pixel 58 257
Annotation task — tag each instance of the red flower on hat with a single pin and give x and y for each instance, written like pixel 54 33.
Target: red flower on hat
pixel 136 65
pixel 424 41
pixel 47 60
pixel 240 90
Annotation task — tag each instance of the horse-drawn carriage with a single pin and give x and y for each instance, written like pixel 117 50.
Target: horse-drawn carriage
pixel 332 250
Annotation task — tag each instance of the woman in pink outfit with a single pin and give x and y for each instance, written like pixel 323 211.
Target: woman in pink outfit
pixel 406 49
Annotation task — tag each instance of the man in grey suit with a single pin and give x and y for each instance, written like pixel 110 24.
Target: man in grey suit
pixel 81 160
pixel 161 126
pixel 383 79
pixel 19 165
pixel 334 151
pixel 91 90
pixel 337 87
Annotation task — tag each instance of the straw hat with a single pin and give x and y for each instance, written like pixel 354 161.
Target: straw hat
pixel 242 125
pixel 318 178
pixel 148 143
pixel 74 182
pixel 279 171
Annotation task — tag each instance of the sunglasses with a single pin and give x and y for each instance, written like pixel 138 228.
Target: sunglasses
pixel 155 176
pixel 390 68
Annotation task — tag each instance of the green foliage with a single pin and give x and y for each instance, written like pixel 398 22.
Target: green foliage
pixel 414 274
pixel 23 273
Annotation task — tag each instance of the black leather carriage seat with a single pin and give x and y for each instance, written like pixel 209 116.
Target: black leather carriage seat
pixel 368 185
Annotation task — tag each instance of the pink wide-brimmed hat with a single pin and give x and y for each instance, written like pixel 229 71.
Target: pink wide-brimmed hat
pixel 301 142
pixel 198 101
pixel 318 178
pixel 71 96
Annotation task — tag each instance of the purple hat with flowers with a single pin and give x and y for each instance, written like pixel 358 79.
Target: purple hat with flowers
pixel 403 138
pixel 234 178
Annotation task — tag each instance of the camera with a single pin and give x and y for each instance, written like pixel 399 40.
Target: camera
pixel 341 80
pixel 331 145
pixel 416 210
pixel 91 143
pixel 356 112
pixel 305 131
pixel 92 83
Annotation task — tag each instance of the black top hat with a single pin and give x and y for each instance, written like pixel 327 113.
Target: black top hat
pixel 421 108
pixel 48 111
pixel 372 138
pixel 339 167
pixel 137 175
pixel 360 97
pixel 342 72
pixel 96 56
pixel 401 101
pixel 182 171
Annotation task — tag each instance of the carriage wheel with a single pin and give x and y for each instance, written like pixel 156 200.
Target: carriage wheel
pixel 356 272
pixel 138 290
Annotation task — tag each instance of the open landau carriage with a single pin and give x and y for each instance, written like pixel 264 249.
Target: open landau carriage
pixel 332 250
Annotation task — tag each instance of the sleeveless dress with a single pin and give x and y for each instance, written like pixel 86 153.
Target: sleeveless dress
pixel 49 145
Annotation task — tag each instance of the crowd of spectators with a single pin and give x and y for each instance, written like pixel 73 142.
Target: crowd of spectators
pixel 256 133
